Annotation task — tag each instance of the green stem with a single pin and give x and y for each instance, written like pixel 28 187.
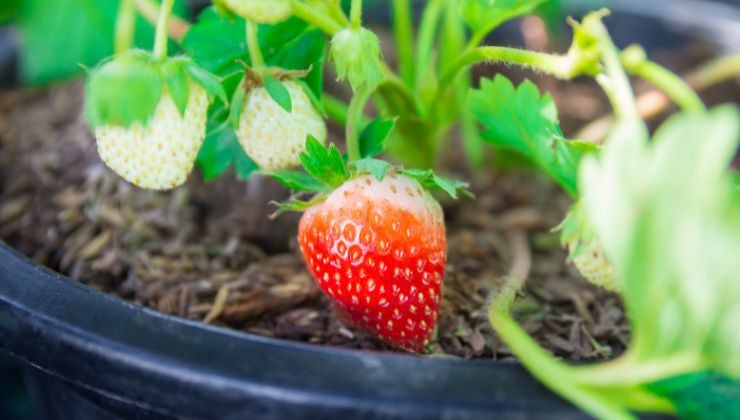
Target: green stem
pixel 637 63
pixel 717 70
pixel 627 371
pixel 316 18
pixel 404 31
pixel 160 37
pixel 553 64
pixel 542 365
pixel 427 33
pixel 125 26
pixel 556 65
pixel 336 12
pixel 253 45
pixel 618 87
pixel 355 14
pixel 354 116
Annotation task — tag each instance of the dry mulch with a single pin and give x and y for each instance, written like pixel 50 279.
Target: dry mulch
pixel 207 251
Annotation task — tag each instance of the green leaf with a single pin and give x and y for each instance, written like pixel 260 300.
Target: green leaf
pixel 486 15
pixel 217 44
pixel 208 81
pixel 521 119
pixel 325 164
pixel 9 10
pixel 278 92
pixel 298 181
pixel 60 36
pixel 668 218
pixel 431 181
pixel 122 92
pixel 303 52
pixel 220 151
pixel 376 167
pixel 699 395
pixel 177 82
pixel 374 135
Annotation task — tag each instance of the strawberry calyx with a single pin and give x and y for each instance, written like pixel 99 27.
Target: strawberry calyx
pixel 326 169
pixel 127 88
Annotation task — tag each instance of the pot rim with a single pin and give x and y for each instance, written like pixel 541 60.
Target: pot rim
pixel 64 328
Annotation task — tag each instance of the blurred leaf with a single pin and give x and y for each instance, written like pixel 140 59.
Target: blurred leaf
pixel 485 15
pixel 521 119
pixel 699 395
pixel 220 151
pixel 122 92
pixel 668 218
pixel 9 10
pixel 218 44
pixel 60 36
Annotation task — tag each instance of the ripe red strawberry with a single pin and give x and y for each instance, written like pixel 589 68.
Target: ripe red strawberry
pixel 378 249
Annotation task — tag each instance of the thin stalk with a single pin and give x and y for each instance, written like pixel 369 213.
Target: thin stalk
pixel 637 63
pixel 336 12
pixel 555 65
pixel 621 94
pixel 253 44
pixel 354 116
pixel 653 102
pixel 425 42
pixel 542 365
pixel 355 14
pixel 404 32
pixel 160 37
pixel 552 64
pixel 125 26
pixel 177 26
pixel 316 18
pixel 716 71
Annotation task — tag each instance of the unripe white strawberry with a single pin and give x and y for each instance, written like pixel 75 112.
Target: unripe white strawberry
pixel 589 259
pixel 260 11
pixel 160 153
pixel 273 137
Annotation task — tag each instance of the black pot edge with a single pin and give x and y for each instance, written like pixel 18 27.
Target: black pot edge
pixel 189 369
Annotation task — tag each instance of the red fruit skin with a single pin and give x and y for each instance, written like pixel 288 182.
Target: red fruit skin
pixel 378 249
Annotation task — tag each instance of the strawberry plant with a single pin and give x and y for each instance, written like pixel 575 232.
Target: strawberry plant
pixel 656 221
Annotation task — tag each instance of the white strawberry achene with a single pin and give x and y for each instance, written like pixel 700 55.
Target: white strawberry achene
pixel 273 137
pixel 160 153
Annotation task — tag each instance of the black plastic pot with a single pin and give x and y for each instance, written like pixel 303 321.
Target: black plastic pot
pixel 91 356
pixel 94 356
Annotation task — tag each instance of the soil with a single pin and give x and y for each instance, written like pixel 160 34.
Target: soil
pixel 207 251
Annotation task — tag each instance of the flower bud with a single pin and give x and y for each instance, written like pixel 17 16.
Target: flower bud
pixel 356 55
